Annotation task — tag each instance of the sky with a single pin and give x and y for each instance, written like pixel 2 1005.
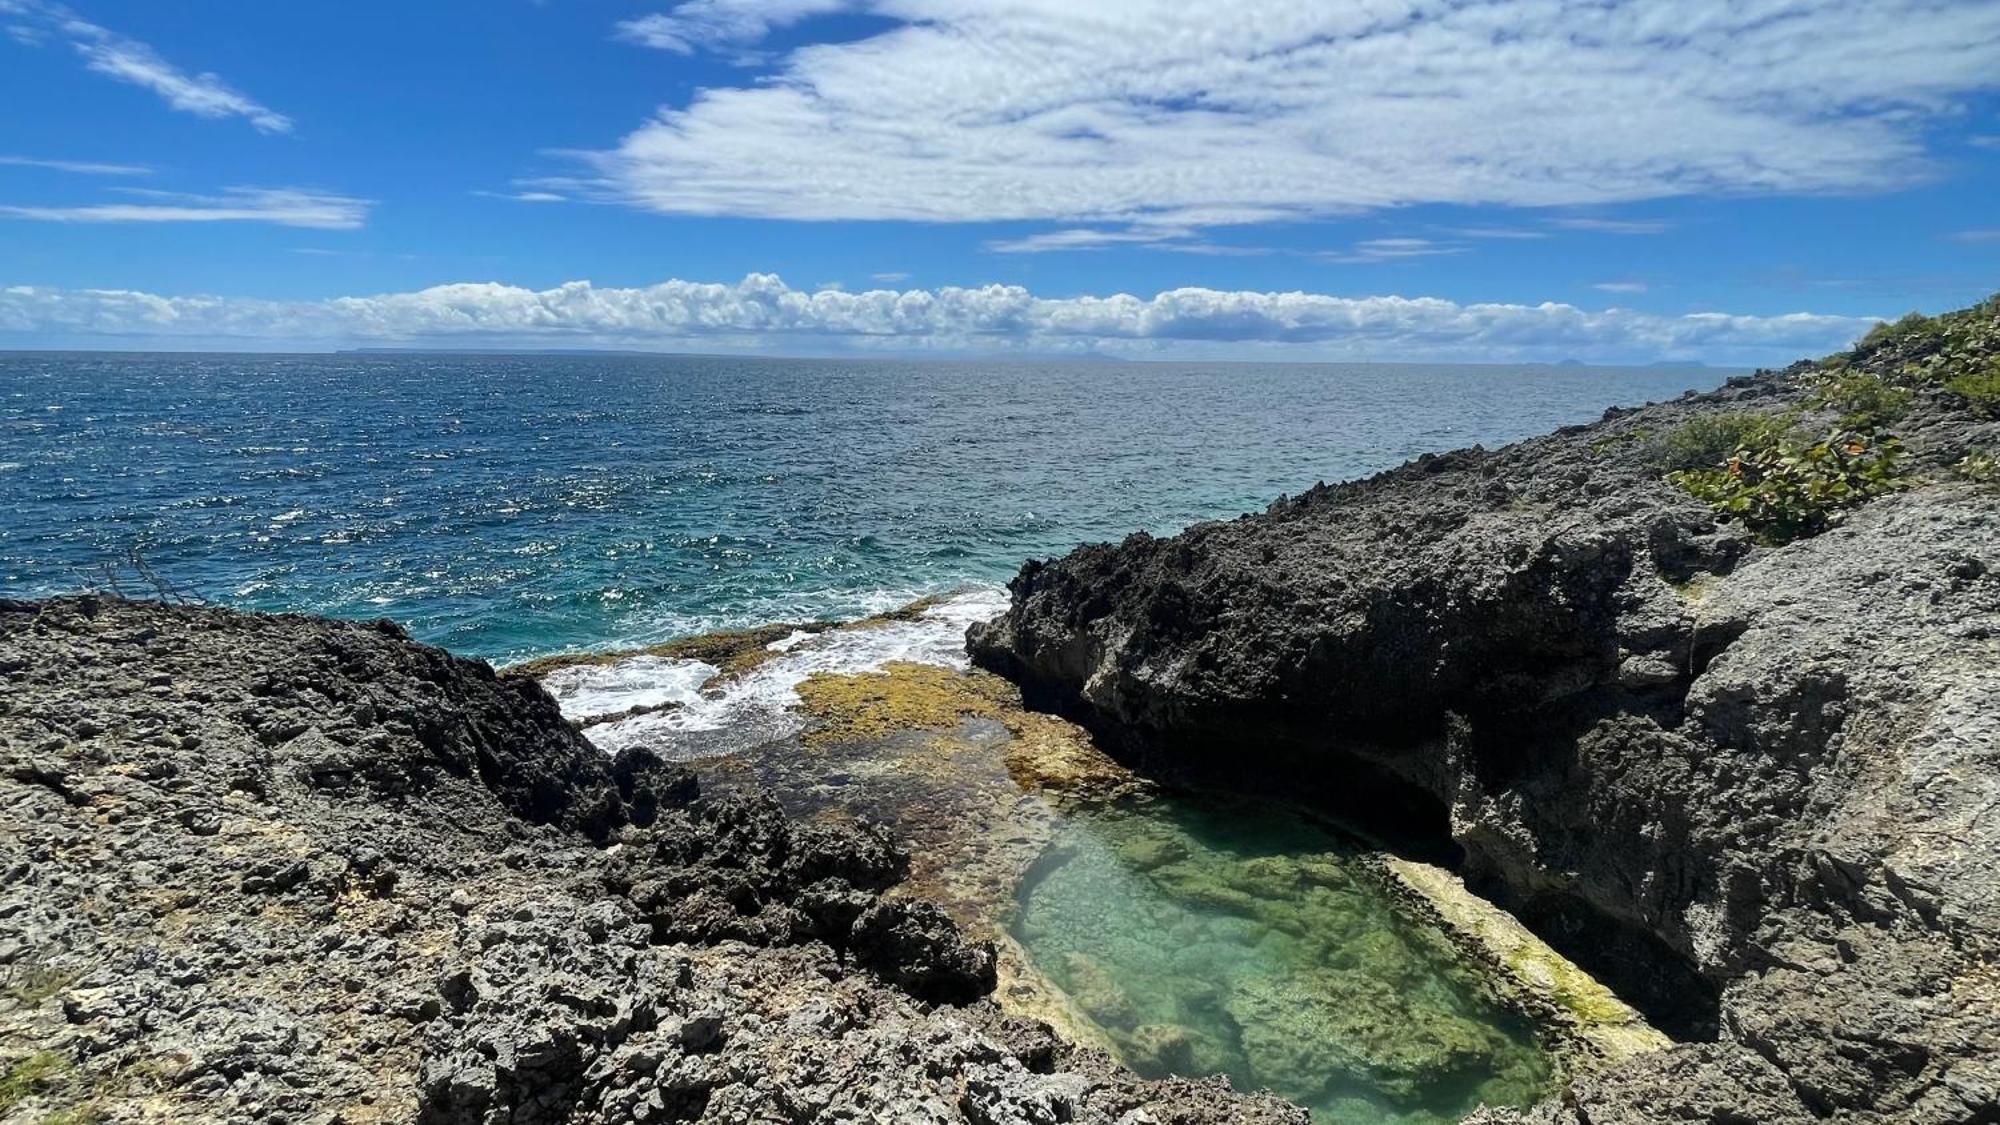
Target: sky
pixel 1725 181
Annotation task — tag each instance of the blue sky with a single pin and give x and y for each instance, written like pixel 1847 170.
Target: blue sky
pixel 1724 180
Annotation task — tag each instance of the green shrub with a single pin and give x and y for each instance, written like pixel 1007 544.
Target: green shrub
pixel 1708 440
pixel 1787 489
pixel 1981 466
pixel 1979 388
pixel 1912 325
pixel 30 1076
pixel 1866 402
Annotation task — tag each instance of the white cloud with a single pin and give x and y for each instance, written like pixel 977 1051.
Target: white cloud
pixel 524 196
pixel 289 207
pixel 1988 235
pixel 711 24
pixel 890 275
pixel 77 167
pixel 1620 286
pixel 1614 226
pixel 1084 238
pixel 1392 249
pixel 113 55
pixel 1146 236
pixel 1513 234
pixel 762 312
pixel 1125 111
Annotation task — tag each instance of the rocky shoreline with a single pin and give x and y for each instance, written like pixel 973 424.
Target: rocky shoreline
pixel 274 868
pixel 1733 750
pixel 1721 720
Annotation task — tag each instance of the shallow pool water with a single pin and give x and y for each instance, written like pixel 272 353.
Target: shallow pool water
pixel 1212 938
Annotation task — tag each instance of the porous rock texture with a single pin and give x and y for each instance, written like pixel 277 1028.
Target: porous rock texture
pixel 273 868
pixel 1757 788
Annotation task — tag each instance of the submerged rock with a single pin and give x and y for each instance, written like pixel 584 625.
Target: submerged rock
pixel 1308 977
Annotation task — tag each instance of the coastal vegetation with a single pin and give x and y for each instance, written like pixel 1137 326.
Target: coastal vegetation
pixel 1753 467
pixel 1784 489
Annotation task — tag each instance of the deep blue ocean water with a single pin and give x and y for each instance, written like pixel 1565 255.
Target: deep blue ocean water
pixel 507 506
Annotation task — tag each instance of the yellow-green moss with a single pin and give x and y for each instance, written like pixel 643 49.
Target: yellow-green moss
pixel 901 697
pixel 1594 1026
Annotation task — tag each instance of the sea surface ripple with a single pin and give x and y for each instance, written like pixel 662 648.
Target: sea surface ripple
pixel 508 506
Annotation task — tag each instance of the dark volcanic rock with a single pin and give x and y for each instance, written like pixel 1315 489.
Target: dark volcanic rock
pixel 284 869
pixel 1756 788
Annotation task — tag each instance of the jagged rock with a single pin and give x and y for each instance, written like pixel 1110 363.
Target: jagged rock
pixel 286 869
pixel 913 943
pixel 1757 788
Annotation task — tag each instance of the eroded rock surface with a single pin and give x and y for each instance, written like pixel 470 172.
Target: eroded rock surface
pixel 283 869
pixel 1756 787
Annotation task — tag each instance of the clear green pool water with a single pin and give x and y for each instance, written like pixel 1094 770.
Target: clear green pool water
pixel 1219 939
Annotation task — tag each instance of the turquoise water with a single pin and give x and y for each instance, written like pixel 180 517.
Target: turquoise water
pixel 1244 940
pixel 508 506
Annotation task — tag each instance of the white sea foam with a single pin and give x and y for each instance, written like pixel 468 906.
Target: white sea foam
pixel 758 705
pixel 588 690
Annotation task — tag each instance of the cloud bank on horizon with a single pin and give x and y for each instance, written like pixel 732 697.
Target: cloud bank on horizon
pixel 1160 114
pixel 762 311
pixel 1544 178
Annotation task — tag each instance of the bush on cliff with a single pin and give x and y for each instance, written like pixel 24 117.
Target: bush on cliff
pixel 1979 389
pixel 1709 440
pixel 1866 401
pixel 1929 352
pixel 1789 489
pixel 1981 466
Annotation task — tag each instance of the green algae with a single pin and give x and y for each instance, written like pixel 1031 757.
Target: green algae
pixel 1220 938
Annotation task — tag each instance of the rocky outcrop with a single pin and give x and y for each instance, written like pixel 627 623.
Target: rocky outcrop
pixel 1755 787
pixel 286 869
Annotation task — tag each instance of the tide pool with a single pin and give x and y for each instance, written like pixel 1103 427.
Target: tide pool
pixel 1208 937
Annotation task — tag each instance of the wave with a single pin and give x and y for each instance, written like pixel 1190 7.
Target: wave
pixel 688 713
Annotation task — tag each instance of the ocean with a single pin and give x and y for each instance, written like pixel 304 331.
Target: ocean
pixel 509 506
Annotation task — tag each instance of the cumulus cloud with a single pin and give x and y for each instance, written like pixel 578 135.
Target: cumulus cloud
pixel 287 207
pixel 115 56
pixel 1620 286
pixel 1157 110
pixel 762 311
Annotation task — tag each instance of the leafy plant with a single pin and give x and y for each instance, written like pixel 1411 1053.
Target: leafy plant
pixel 1707 440
pixel 1912 325
pixel 1919 351
pixel 1979 388
pixel 1866 401
pixel 1787 489
pixel 1980 466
